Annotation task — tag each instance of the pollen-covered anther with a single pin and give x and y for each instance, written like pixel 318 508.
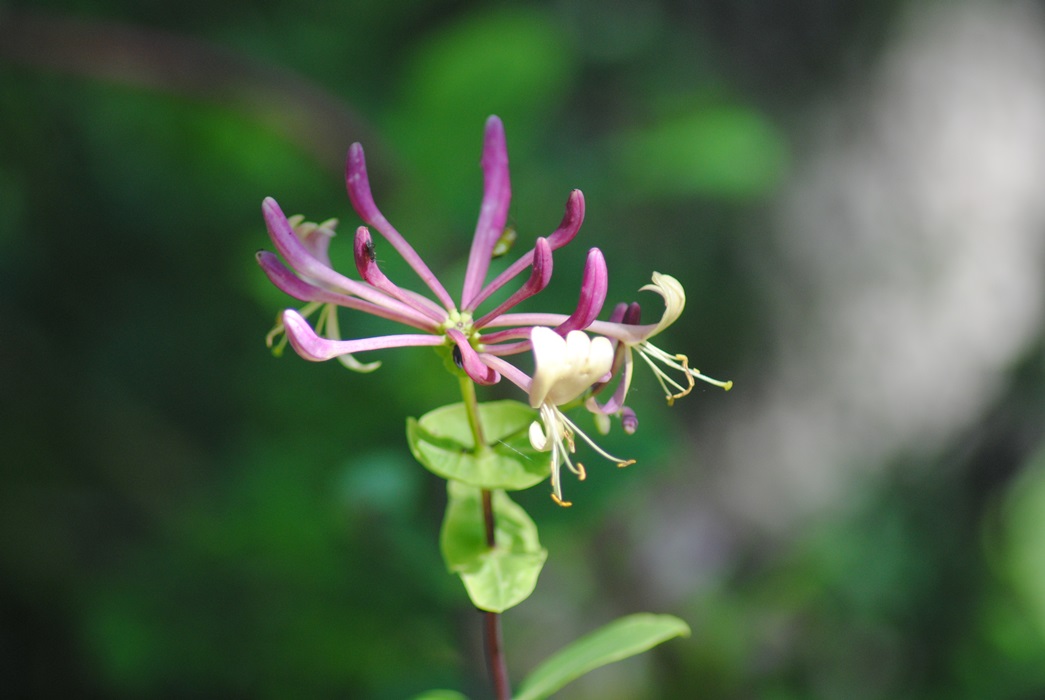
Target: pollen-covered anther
pixel 559 501
pixel 690 382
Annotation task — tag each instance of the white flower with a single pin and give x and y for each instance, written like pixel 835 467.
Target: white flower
pixel 634 337
pixel 564 369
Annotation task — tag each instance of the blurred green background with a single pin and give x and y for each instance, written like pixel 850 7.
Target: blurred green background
pixel 182 514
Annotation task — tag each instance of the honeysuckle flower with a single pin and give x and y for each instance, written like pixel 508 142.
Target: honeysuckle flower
pixel 569 366
pixel 564 368
pixel 632 338
pixel 316 240
pixel 629 338
pixel 303 270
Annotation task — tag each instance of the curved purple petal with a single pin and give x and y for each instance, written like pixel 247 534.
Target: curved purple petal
pixel 617 315
pixel 358 184
pixel 571 221
pixel 594 286
pixel 497 195
pixel 568 228
pixel 633 315
pixel 302 262
pixel 311 347
pixel 366 264
pixel 509 371
pixel 540 275
pixel 615 403
pixel 474 367
pixel 629 420
pixel 314 271
pixel 286 281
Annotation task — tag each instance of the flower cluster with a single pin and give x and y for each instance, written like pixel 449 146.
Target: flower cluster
pixel 569 366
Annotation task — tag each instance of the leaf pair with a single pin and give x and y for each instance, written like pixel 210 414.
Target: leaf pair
pixel 503 576
pixel 500 577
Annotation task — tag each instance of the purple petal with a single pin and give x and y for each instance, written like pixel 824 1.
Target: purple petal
pixel 509 371
pixel 626 313
pixel 568 228
pixel 617 315
pixel 509 334
pixel 571 221
pixel 358 185
pixel 305 265
pixel 509 348
pixel 311 347
pixel 634 314
pixel 366 264
pixel 470 362
pixel 628 330
pixel 540 275
pixel 527 319
pixel 286 281
pixel 616 401
pixel 497 194
pixel 628 420
pixel 302 262
pixel 594 286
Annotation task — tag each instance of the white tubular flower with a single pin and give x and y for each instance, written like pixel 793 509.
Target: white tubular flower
pixel 564 369
pixel 674 297
pixel 634 337
pixel 674 302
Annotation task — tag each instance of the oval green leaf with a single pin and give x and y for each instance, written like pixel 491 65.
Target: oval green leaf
pixel 499 578
pixel 618 640
pixel 442 441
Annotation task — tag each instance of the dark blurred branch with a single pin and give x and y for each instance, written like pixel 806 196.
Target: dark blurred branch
pixel 296 108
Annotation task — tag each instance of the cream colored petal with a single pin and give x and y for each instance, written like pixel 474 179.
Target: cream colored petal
pixel 538 438
pixel 565 367
pixel 548 350
pixel 674 299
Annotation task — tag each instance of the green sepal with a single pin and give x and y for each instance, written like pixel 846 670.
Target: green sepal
pixel 499 578
pixel 442 442
pixel 618 640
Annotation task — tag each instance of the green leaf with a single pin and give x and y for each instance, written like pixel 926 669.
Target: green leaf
pixel 499 578
pixel 441 695
pixel 442 441
pixel 618 640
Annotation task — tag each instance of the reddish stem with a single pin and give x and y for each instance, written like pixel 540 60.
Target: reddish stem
pixel 494 644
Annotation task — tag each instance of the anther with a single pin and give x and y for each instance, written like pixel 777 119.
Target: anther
pixel 564 504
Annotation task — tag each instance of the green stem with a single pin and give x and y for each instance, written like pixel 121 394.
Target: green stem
pixel 471 407
pixel 492 621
